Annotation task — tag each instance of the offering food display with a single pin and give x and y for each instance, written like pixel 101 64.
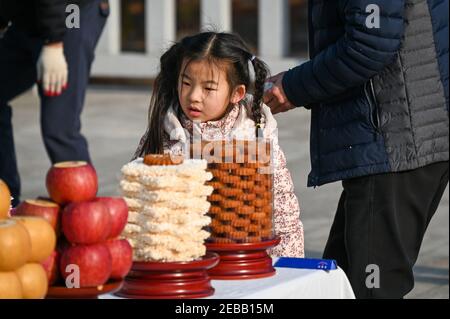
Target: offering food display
pixel 25 242
pixel 68 243
pixel 90 255
pixel 241 206
pixel 163 238
pixel 167 198
pixel 168 206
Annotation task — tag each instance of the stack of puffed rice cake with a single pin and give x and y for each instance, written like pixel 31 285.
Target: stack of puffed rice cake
pixel 167 210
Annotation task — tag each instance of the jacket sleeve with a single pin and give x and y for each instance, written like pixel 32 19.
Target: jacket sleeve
pixel 354 58
pixel 286 209
pixel 3 23
pixel 51 19
pixel 4 19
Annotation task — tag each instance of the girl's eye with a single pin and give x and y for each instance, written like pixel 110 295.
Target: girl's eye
pixel 186 83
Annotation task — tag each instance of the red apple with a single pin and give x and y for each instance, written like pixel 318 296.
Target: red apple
pixel 118 210
pixel 94 263
pixel 86 222
pixel 41 208
pixel 72 182
pixel 51 266
pixel 122 257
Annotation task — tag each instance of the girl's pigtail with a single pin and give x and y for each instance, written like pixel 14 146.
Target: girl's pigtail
pixel 164 95
pixel 261 72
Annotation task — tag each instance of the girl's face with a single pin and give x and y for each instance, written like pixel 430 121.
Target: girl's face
pixel 204 92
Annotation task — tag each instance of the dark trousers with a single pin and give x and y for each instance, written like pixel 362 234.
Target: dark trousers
pixel 381 220
pixel 60 116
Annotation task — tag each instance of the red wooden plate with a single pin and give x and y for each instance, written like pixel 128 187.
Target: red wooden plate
pixel 244 246
pixel 207 261
pixel 61 292
pixel 243 261
pixel 170 280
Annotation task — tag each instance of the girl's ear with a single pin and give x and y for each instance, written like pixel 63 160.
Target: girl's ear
pixel 238 94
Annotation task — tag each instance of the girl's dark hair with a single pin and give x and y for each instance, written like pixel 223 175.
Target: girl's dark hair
pixel 216 48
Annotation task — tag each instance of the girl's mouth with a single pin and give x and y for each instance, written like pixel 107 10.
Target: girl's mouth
pixel 194 112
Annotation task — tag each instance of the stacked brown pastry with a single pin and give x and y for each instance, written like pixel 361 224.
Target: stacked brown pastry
pixel 167 198
pixel 241 204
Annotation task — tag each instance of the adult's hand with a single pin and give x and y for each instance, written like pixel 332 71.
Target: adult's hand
pixel 274 95
pixel 52 69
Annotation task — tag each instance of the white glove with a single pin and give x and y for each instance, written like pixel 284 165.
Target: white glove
pixel 52 69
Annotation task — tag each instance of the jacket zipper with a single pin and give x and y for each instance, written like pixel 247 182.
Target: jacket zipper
pixel 370 95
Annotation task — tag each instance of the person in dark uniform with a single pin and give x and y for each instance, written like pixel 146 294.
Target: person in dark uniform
pixel 38 43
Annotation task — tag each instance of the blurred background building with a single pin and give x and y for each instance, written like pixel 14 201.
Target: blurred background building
pixel 139 31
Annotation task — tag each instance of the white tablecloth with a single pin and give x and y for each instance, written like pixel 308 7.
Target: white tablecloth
pixel 287 283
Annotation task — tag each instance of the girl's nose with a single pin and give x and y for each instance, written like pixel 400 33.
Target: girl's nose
pixel 196 94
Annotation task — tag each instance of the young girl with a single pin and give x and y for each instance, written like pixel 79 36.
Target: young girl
pixel 203 88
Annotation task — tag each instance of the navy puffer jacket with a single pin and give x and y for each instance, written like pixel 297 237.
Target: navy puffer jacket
pixel 378 96
pixel 40 18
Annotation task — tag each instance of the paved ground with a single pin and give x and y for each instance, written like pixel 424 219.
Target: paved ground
pixel 114 120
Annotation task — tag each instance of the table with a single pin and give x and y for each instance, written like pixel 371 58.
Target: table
pixel 288 283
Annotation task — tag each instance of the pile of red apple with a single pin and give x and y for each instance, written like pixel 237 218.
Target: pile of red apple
pixel 89 227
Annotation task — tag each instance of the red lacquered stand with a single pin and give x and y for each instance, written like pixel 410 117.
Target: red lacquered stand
pixel 243 261
pixel 172 280
pixel 61 292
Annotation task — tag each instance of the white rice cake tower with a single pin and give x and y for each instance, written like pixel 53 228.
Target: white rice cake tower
pixel 168 206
